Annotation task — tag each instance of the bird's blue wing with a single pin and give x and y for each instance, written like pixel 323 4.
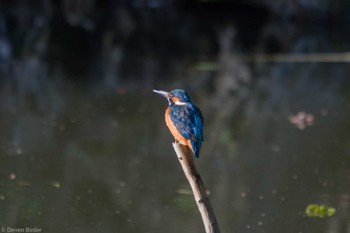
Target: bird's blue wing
pixel 199 122
pixel 189 121
pixel 183 120
pixel 198 131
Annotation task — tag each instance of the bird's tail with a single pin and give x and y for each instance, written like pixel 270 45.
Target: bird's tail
pixel 194 147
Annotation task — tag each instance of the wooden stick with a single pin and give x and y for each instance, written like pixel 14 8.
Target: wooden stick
pixel 200 195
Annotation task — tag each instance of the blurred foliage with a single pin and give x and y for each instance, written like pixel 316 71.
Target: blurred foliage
pixel 207 66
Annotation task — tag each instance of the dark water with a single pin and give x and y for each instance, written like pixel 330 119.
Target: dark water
pixel 84 146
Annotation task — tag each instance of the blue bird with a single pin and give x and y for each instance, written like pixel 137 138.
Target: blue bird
pixel 184 119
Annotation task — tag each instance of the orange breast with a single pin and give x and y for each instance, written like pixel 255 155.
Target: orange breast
pixel 177 135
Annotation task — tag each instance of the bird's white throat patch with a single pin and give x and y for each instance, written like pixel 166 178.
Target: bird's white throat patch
pixel 180 103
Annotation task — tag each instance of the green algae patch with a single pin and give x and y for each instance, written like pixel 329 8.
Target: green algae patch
pixel 320 211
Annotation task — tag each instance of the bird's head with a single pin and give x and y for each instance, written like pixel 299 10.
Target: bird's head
pixel 177 96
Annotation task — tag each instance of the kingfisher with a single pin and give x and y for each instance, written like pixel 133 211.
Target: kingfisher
pixel 184 119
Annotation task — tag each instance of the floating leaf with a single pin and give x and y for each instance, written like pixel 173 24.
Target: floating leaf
pixel 321 211
pixel 330 211
pixel 56 184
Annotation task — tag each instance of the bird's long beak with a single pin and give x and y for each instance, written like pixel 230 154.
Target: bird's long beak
pixel 163 93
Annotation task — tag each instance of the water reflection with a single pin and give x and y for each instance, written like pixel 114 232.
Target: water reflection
pixel 95 156
pixel 76 161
